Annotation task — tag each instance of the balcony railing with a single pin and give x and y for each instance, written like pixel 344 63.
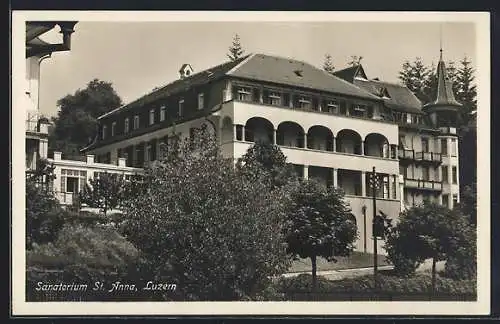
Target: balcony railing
pixel 406 154
pixel 32 126
pixel 423 184
pixel 428 156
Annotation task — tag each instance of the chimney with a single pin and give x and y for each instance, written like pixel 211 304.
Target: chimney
pixel 185 71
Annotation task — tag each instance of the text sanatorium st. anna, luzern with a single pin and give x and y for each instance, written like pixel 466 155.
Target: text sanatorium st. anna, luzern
pixel 116 286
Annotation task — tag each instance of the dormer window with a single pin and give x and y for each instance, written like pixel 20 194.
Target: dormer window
pixel 181 107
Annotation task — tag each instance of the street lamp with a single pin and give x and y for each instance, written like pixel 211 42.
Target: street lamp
pixel 374 183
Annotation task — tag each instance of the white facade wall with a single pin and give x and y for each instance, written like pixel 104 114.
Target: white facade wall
pixel 89 167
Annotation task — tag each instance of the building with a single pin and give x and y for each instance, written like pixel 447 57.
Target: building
pixel 334 128
pixel 38 50
pixel 71 175
pixel 428 138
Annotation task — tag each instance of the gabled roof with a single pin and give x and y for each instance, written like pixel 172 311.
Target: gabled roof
pixel 351 73
pixel 258 67
pixel 267 68
pixel 196 79
pixel 400 98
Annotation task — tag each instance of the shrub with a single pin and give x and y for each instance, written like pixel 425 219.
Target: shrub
pixel 82 254
pixel 44 217
pixel 387 284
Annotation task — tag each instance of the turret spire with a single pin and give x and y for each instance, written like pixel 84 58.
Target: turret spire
pixel 445 94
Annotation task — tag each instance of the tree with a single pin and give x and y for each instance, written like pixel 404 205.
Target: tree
pixel 319 224
pixel 429 231
pixel 355 60
pixel 466 91
pixel 419 79
pixel 235 50
pixel 76 122
pixel 104 192
pixel 328 64
pixel 265 158
pixel 202 226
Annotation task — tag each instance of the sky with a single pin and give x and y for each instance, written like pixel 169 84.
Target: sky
pixel 139 56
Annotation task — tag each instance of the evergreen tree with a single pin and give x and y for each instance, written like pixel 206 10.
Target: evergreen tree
pixel 328 64
pixel 466 89
pixel 355 60
pixel 235 50
pixel 419 79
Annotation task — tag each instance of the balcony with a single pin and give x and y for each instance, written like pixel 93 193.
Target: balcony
pixel 325 159
pixel 428 157
pixel 405 154
pixel 421 184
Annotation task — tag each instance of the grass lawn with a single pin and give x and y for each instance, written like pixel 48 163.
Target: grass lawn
pixel 356 260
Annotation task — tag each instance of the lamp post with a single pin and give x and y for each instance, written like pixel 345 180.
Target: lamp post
pixel 374 183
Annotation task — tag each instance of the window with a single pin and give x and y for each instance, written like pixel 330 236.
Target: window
pixel 127 126
pixel 136 122
pixel 402 141
pixel 453 147
pixel 244 94
pixel 304 102
pixel 358 110
pixel 73 181
pixel 455 200
pixel 394 186
pixel 444 174
pixel 181 107
pixel 162 113
pixel 444 200
pixel 104 130
pixel 201 101
pixel 332 106
pixel 408 118
pixel 113 129
pixel 386 187
pixel 425 145
pixel 148 153
pixel 454 177
pixel 425 173
pixel 444 146
pixel 275 98
pixel 151 117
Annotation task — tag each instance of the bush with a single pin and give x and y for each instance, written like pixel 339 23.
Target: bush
pixel 82 254
pixel 44 217
pixel 387 284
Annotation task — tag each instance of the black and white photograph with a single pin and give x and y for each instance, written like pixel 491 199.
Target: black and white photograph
pixel 245 163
